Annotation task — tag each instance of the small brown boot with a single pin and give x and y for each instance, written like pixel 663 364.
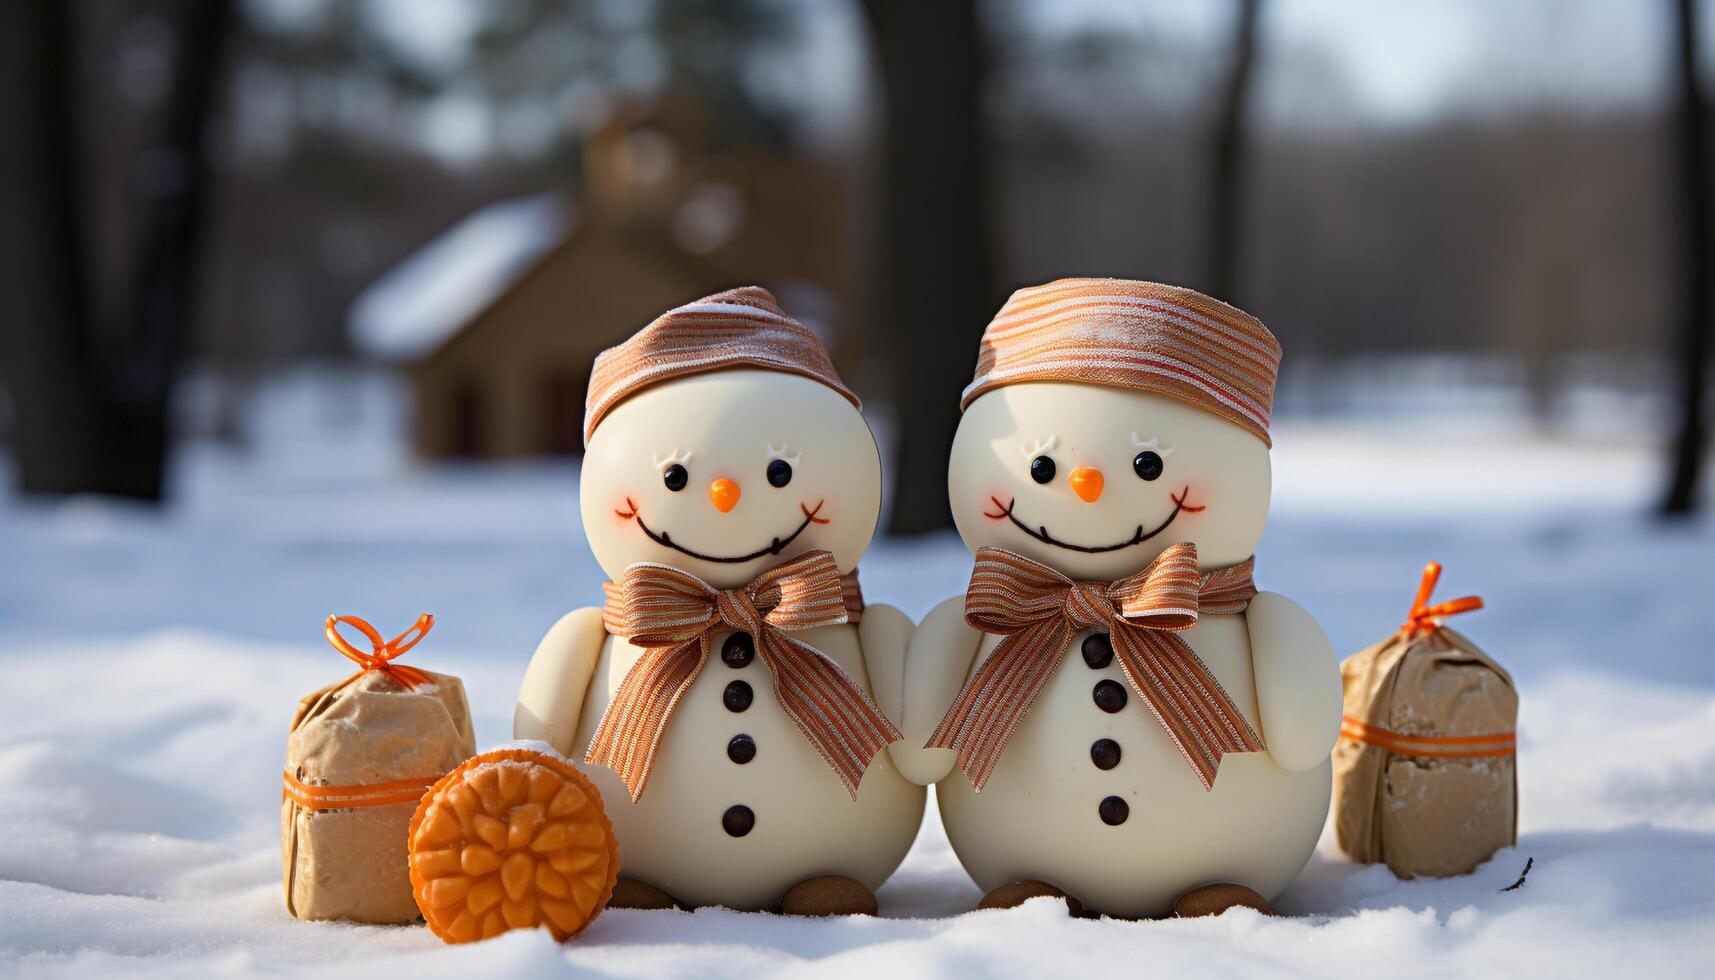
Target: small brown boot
pixel 1215 899
pixel 1018 892
pixel 828 895
pixel 629 893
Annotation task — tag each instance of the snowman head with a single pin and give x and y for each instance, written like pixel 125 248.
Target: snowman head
pixel 1110 419
pixel 728 474
pixel 1096 481
pixel 719 440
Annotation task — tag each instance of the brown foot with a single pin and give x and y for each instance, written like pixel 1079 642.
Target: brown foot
pixel 828 895
pixel 1215 899
pixel 629 893
pixel 1018 892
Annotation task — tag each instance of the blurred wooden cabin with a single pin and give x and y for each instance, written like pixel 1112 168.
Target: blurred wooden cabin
pixel 496 323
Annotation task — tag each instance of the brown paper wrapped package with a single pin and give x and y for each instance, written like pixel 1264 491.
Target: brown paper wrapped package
pixel 1423 815
pixel 351 863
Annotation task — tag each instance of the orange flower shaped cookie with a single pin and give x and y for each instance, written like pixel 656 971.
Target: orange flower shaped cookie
pixel 512 839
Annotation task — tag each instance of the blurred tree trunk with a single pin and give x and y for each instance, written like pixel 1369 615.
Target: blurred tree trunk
pixel 1695 255
pixel 936 290
pixel 1227 181
pixel 46 331
pixel 91 400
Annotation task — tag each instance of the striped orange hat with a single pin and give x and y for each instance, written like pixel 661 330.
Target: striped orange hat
pixel 1163 339
pixel 736 328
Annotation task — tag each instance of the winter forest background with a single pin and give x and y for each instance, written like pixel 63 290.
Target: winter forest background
pixel 203 190
pixel 299 298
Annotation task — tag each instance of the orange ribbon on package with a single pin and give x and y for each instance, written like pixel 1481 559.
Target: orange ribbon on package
pixel 312 797
pixel 1429 746
pixel 383 652
pixel 1425 618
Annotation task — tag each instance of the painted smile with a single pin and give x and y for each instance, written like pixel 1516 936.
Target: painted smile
pixel 1040 532
pixel 774 547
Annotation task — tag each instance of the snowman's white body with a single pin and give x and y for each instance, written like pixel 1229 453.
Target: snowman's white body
pixel 728 425
pixel 806 824
pixel 1038 816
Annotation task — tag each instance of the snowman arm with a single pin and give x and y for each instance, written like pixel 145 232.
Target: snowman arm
pixel 552 695
pixel 1298 690
pixel 883 633
pixel 936 664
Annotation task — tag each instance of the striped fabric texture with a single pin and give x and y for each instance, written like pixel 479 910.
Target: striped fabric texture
pixel 738 328
pixel 1163 339
pixel 1039 611
pixel 674 615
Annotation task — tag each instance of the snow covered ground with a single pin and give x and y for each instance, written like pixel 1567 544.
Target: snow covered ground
pixel 153 661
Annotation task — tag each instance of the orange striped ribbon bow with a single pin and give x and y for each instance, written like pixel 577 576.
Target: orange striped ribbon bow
pixel 1039 611
pixel 674 615
pixel 382 652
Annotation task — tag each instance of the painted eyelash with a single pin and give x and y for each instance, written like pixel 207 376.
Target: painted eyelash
pixel 1153 444
pixel 781 453
pixel 1042 446
pixel 662 462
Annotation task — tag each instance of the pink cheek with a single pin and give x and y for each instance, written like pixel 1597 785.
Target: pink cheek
pixel 625 511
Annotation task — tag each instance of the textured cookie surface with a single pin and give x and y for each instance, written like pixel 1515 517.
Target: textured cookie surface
pixel 512 839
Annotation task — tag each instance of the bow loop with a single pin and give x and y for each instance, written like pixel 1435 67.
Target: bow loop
pixel 658 605
pixel 803 593
pixel 1008 593
pixel 1165 595
pixel 382 652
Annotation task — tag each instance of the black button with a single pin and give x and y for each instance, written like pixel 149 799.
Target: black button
pixel 1109 695
pixel 1104 752
pixel 1113 810
pixel 742 749
pixel 1098 650
pixel 737 650
pixel 737 696
pixel 738 820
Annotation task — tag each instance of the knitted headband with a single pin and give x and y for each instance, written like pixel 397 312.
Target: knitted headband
pixel 1162 339
pixel 737 328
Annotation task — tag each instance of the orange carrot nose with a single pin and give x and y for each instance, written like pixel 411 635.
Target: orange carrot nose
pixel 1086 483
pixel 724 493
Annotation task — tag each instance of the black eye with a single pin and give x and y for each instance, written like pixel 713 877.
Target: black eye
pixel 1147 465
pixel 675 477
pixel 779 472
pixel 1042 469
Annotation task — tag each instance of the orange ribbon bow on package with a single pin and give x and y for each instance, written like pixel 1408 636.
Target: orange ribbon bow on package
pixel 380 658
pixel 382 652
pixel 1424 618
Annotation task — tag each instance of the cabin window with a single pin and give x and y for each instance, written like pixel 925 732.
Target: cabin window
pixel 563 413
pixel 465 435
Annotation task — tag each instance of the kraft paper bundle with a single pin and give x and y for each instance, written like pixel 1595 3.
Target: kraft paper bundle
pixel 1425 776
pixel 360 756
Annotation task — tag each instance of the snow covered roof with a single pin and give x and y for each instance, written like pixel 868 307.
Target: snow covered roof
pixel 425 299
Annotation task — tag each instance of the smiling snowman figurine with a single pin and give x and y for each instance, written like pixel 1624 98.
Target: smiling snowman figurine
pixel 1136 728
pixel 732 697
